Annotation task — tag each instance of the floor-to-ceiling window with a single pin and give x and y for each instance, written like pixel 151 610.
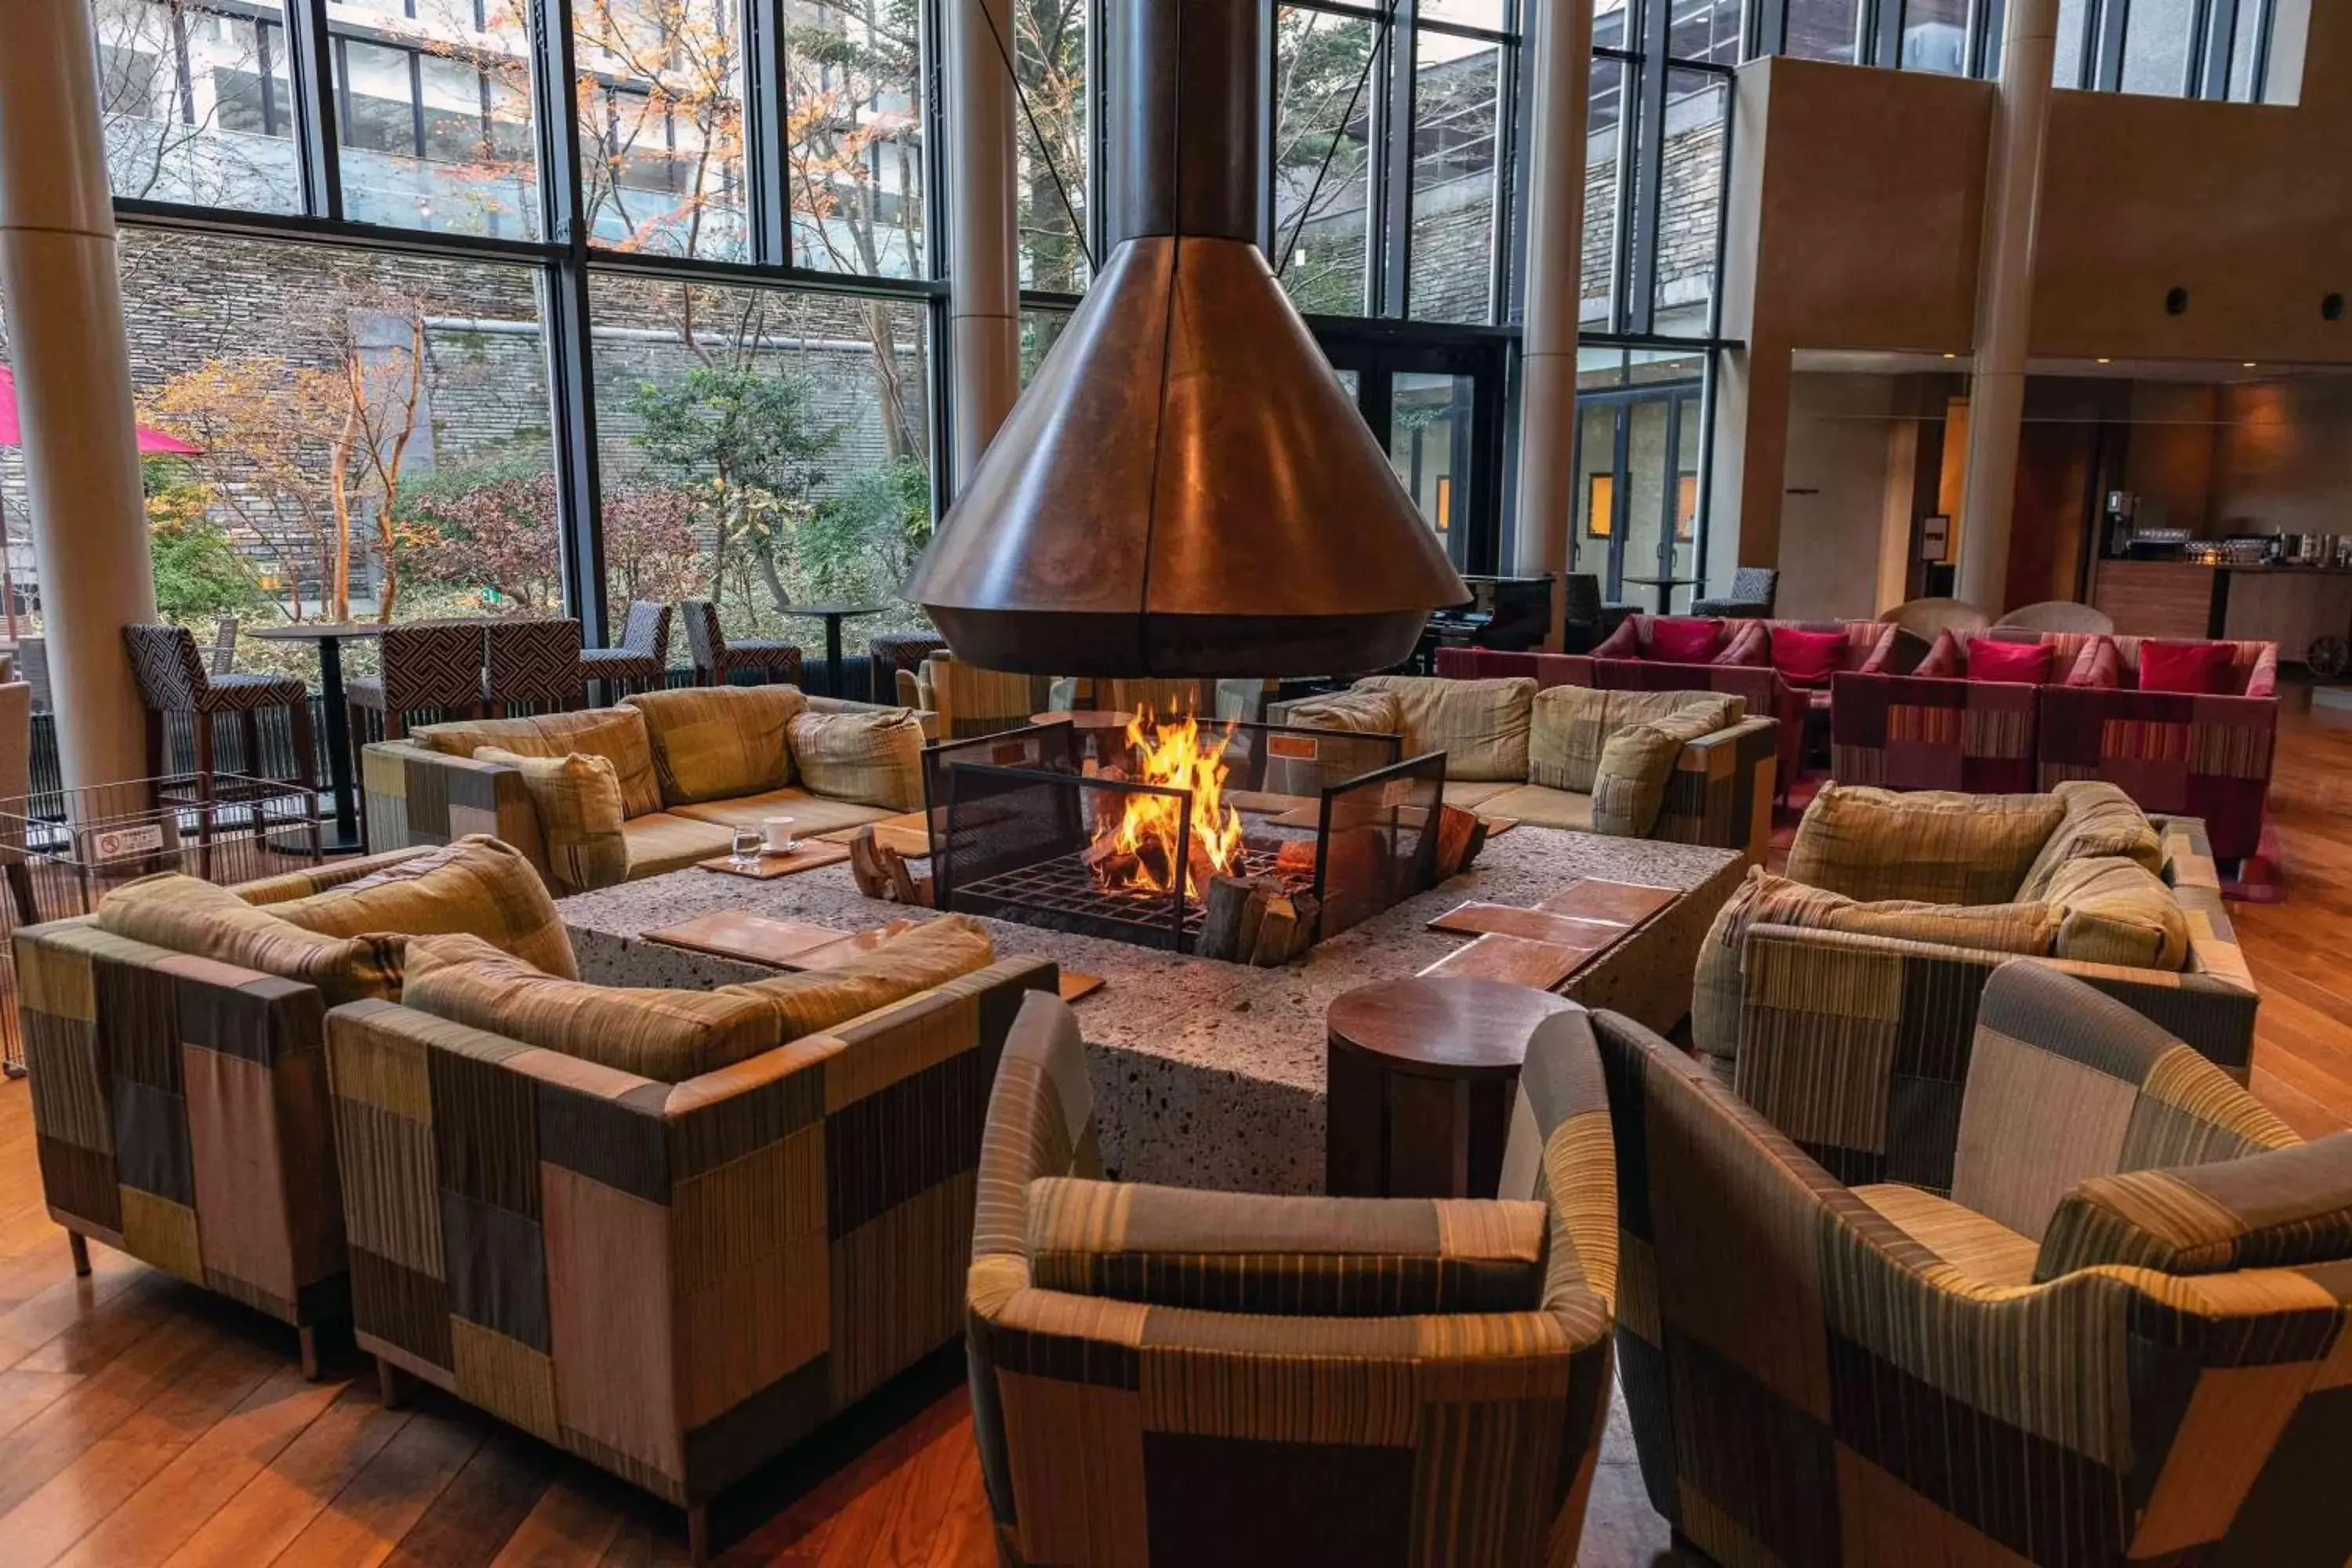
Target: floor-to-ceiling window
pixel 2176 48
pixel 1657 159
pixel 480 306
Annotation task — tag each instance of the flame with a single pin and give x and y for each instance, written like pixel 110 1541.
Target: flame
pixel 1139 849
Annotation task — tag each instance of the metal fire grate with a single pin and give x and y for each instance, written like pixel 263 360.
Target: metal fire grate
pixel 1062 894
pixel 1013 816
pixel 63 850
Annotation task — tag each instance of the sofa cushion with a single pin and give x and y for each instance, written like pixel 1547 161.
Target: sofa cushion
pixel 1684 639
pixel 672 1036
pixel 1629 784
pixel 1480 725
pixel 1286 1257
pixel 871 758
pixel 1719 990
pixel 1624 642
pixel 2101 820
pixel 577 799
pixel 1943 659
pixel 710 743
pixel 1984 1249
pixel 2287 1208
pixel 1570 725
pixel 1807 659
pixel 2115 910
pixel 1538 806
pixel 616 734
pixel 811 813
pixel 929 956
pixel 1359 710
pixel 187 914
pixel 2199 668
pixel 666 1036
pixel 1944 848
pixel 1989 659
pixel 1748 645
pixel 668 842
pixel 2099 666
pixel 477 887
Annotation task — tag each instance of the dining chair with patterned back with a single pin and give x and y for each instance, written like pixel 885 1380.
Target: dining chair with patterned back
pixel 173 681
pixel 534 666
pixel 718 657
pixel 428 666
pixel 887 653
pixel 641 660
pixel 1754 592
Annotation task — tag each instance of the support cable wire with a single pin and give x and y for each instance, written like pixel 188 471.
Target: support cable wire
pixel 1077 230
pixel 1387 39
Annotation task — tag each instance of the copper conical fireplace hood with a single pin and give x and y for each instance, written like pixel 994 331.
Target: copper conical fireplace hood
pixel 1185 489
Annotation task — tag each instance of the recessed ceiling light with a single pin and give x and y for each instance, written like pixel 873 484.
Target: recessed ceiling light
pixel 2250 364
pixel 1951 356
pixel 2106 361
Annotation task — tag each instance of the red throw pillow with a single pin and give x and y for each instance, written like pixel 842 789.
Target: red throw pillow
pixel 1684 639
pixel 1807 659
pixel 2199 669
pixel 2023 661
pixel 1943 660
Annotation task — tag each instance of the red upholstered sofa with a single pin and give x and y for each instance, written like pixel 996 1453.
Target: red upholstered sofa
pixel 2174 753
pixel 1938 728
pixel 1743 667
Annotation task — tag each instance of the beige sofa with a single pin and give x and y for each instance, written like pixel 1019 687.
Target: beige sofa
pixel 1545 757
pixel 690 766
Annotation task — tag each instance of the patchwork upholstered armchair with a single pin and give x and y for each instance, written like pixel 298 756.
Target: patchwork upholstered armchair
pixel 1178 1378
pixel 630 1223
pixel 2105 1321
pixel 177 1051
pixel 2204 754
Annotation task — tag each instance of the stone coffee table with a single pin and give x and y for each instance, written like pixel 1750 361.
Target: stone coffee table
pixel 1209 1074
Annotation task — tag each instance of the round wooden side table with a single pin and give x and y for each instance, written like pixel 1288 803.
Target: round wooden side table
pixel 1420 1077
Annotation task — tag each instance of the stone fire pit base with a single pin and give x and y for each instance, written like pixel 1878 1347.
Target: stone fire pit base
pixel 1209 1074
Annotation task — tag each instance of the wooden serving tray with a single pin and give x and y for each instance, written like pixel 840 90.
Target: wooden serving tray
pixel 905 835
pixel 1515 959
pixel 1536 925
pixel 807 857
pixel 1616 903
pixel 738 933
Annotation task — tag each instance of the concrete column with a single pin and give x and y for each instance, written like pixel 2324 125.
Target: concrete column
pixel 73 386
pixel 983 255
pixel 1561 76
pixel 2005 299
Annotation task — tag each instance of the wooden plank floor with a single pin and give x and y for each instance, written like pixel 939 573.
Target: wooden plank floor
pixel 143 1422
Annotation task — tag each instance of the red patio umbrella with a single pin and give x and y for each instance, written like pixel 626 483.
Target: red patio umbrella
pixel 151 443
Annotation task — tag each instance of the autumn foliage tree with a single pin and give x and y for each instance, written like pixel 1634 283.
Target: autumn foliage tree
pixel 308 457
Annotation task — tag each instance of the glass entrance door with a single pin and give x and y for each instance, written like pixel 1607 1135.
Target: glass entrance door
pixel 1438 411
pixel 1637 462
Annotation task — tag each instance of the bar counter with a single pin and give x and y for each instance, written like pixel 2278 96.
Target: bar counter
pixel 2290 605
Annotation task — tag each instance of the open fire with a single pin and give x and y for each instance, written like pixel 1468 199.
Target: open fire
pixel 1140 840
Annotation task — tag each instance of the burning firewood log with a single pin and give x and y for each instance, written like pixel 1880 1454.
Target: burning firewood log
pixel 1252 920
pixel 881 872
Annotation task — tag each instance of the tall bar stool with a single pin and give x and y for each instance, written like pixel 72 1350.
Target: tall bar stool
pixel 641 662
pixel 172 680
pixel 428 668
pixel 534 666
pixel 716 659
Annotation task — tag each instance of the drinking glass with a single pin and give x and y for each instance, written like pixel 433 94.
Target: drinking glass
pixel 747 841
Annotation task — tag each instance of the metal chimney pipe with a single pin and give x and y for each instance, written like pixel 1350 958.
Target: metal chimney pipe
pixel 1184 111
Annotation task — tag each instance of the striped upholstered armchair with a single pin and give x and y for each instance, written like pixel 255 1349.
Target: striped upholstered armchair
pixel 2119 1339
pixel 1164 1378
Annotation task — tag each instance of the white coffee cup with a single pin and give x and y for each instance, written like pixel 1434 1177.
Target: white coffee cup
pixel 779 831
